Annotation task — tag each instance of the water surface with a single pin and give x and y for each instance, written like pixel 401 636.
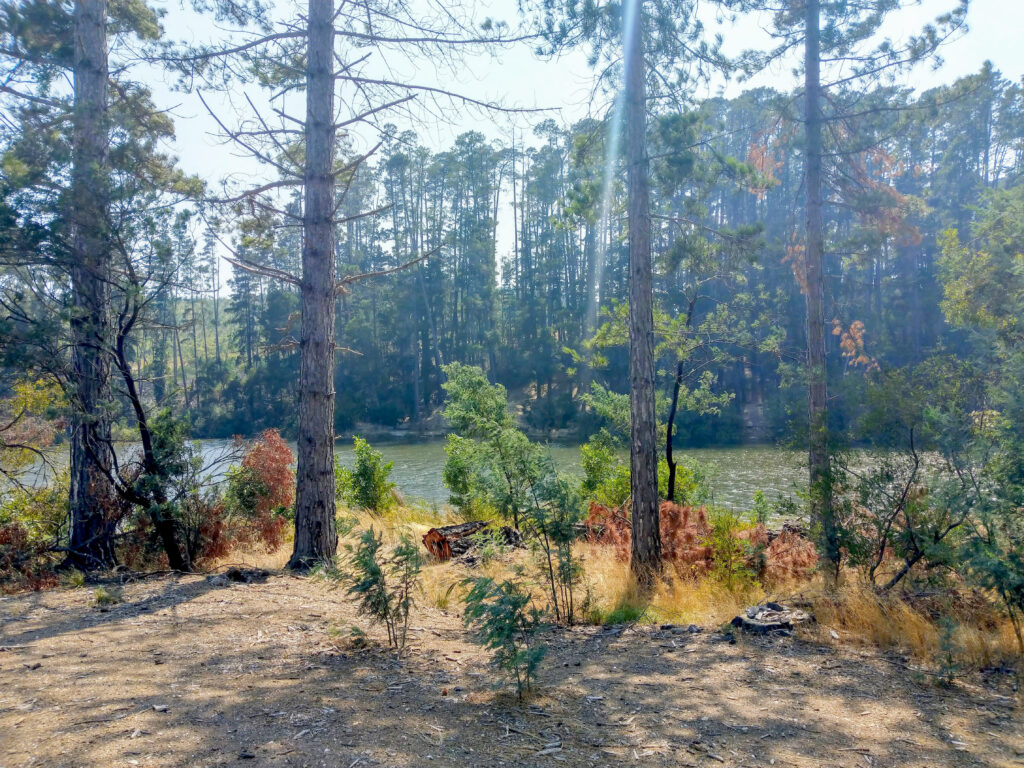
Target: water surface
pixel 736 472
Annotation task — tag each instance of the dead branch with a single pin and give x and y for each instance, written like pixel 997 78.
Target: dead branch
pixel 341 286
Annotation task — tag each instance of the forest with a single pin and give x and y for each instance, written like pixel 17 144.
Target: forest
pixel 424 425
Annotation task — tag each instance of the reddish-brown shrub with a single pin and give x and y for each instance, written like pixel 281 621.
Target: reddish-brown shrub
pixel 271 459
pixel 609 526
pixel 684 541
pixel 789 556
pixel 260 489
pixel 23 562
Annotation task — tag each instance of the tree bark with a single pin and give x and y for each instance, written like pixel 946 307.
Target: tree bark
pixel 92 493
pixel 441 542
pixel 316 537
pixel 645 561
pixel 822 517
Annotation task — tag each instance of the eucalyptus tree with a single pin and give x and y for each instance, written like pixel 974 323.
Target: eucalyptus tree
pixel 844 45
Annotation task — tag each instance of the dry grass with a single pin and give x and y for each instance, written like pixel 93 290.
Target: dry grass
pixel 699 600
pixel 983 636
pixel 412 521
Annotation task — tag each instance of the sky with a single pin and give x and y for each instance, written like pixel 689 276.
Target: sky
pixel 563 87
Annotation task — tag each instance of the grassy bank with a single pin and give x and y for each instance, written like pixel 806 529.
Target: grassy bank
pixel 945 631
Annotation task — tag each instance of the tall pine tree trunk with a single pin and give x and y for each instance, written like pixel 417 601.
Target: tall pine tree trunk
pixel 645 561
pixel 92 493
pixel 316 537
pixel 822 517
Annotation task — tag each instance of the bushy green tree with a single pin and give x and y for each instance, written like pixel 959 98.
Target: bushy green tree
pixel 983 281
pixel 491 463
pixel 367 484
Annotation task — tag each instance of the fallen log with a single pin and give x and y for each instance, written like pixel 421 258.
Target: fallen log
pixel 451 540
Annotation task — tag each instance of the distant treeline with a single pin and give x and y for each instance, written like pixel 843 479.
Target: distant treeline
pixel 727 202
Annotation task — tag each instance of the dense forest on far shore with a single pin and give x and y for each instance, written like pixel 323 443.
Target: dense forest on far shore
pixel 221 348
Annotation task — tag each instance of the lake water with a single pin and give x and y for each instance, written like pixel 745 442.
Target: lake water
pixel 736 473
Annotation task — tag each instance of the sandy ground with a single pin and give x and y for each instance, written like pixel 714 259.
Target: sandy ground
pixel 188 673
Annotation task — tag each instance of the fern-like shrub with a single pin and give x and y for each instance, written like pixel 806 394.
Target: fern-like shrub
pixel 383 584
pixel 506 622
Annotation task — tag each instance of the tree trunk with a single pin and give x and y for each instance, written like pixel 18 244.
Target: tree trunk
pixel 216 313
pixel 316 537
pixel 822 518
pixel 92 492
pixel 670 433
pixel 155 506
pixel 442 542
pixel 645 561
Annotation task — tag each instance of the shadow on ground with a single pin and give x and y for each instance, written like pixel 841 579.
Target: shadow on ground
pixel 187 674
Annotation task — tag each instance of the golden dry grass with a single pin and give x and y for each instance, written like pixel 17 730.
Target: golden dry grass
pixel 980 637
pixel 676 599
pixel 983 637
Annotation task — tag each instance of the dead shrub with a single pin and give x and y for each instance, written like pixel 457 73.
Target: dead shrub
pixel 261 493
pixel 24 562
pixel 777 557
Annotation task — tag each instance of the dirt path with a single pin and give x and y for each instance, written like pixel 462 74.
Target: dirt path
pixel 186 673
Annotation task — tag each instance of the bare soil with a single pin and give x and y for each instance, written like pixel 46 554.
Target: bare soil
pixel 185 672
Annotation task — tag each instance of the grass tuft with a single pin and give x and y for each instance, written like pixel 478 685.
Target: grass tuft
pixel 980 635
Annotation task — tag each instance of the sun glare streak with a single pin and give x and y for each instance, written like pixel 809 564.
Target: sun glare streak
pixel 630 15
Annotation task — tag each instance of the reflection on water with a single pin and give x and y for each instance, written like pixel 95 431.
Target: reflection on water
pixel 736 473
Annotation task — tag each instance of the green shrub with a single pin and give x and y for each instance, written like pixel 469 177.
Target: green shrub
pixel 693 482
pixel 505 621
pixel 728 551
pixel 42 511
pixel 463 475
pixel 105 597
pixel 605 473
pixel 367 484
pixel 342 481
pixel 762 509
pixel 384 586
pixel 554 520
pixel 624 613
pixel 33 522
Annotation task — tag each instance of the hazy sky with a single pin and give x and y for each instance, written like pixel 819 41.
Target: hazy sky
pixel 517 77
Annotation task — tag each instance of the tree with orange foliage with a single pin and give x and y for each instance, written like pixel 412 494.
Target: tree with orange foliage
pixel 262 489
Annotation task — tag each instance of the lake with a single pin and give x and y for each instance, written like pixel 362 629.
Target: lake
pixel 736 473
